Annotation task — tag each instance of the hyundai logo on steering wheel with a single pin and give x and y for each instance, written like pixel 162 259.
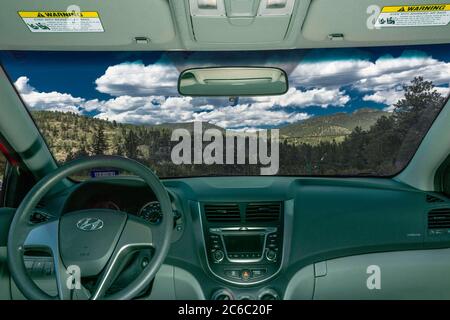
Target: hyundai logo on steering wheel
pixel 90 224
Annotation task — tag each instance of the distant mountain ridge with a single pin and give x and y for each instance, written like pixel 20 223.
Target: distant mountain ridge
pixel 185 125
pixel 330 127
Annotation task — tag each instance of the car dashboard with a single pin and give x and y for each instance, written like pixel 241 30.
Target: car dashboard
pixel 282 237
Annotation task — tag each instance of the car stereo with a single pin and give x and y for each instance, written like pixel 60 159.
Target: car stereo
pixel 244 255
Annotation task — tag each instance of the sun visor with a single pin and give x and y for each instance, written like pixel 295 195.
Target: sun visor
pixel 379 20
pixel 64 24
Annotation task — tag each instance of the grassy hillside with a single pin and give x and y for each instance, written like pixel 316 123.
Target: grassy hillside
pixel 330 127
pixel 69 133
pixel 66 132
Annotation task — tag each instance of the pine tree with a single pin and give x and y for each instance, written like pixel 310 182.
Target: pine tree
pixel 99 143
pixel 131 144
pixel 414 115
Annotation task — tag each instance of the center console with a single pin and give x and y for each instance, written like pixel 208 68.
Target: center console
pixel 243 240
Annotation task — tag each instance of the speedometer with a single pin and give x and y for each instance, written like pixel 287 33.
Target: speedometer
pixel 151 212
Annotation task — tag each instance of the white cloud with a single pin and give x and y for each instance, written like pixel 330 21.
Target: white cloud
pixel 387 97
pixel 145 116
pixel 146 94
pixel 252 113
pixel 381 80
pixel 444 91
pixel 248 116
pixel 315 97
pixel 330 74
pixel 180 109
pixel 53 101
pixel 390 97
pixel 385 73
pixel 122 103
pixel 23 86
pixel 137 79
pixel 147 110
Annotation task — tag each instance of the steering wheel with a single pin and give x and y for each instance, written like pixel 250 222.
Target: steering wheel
pixel 94 242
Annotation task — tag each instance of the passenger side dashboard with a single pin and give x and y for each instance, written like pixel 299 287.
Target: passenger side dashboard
pixel 328 223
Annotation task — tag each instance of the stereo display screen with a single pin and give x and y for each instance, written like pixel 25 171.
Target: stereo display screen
pixel 243 244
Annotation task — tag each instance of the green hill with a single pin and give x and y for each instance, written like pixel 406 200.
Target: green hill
pixel 68 133
pixel 330 127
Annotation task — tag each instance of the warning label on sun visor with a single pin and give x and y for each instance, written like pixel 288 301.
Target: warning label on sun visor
pixel 414 16
pixel 62 21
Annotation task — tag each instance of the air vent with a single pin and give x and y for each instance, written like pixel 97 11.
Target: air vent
pixel 432 199
pixel 439 218
pixel 263 211
pixel 226 212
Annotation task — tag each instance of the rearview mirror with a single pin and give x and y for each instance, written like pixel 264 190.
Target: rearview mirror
pixel 233 81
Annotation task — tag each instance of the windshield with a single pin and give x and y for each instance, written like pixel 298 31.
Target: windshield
pixel 347 112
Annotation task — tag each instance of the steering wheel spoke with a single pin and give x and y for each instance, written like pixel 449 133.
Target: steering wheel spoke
pixel 136 235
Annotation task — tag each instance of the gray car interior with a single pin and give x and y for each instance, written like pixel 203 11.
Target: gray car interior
pixel 325 233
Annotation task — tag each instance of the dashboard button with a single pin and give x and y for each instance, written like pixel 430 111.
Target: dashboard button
pixel 246 275
pixel 271 255
pixel 38 266
pixel 232 274
pixel 256 273
pixel 48 269
pixel 217 256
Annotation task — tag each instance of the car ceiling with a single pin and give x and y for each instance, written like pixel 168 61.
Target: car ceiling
pixel 170 25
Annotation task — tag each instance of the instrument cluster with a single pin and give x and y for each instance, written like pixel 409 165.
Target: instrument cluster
pixel 151 212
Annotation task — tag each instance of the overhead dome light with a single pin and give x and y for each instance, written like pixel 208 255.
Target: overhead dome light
pixel 207 4
pixel 216 8
pixel 276 4
pixel 276 7
pixel 207 8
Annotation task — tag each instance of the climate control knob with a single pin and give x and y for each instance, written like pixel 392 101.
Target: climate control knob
pixel 222 294
pixel 218 256
pixel 271 255
pixel 268 294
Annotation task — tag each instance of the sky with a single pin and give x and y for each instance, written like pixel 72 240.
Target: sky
pixel 141 87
